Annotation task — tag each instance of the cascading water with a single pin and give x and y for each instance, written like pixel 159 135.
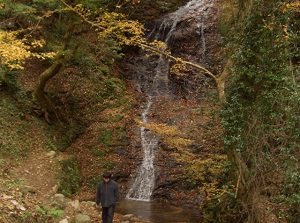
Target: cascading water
pixel 152 78
pixel 144 181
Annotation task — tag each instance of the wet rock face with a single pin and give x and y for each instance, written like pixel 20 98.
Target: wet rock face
pixel 149 11
pixel 191 33
pixel 172 186
pixel 197 41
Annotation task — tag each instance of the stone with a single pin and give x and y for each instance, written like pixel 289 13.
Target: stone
pixel 89 203
pixel 81 218
pixel 64 221
pixel 17 205
pixel 128 216
pixel 51 154
pixel 76 205
pixel 59 201
pixel 55 188
pixel 28 189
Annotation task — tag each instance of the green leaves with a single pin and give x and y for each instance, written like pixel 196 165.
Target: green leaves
pixel 69 177
pixel 15 9
pixel 263 101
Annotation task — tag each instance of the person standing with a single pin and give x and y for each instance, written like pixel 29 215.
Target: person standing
pixel 107 195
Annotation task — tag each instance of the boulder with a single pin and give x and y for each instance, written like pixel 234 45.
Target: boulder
pixel 81 218
pixel 58 201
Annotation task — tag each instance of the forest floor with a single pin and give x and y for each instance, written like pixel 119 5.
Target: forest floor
pixel 38 170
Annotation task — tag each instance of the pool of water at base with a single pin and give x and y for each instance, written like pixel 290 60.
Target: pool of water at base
pixel 157 212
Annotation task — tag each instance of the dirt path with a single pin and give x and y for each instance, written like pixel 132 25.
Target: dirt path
pixel 38 170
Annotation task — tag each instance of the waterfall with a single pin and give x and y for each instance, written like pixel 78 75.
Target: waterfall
pixel 203 41
pixel 144 181
pixel 152 78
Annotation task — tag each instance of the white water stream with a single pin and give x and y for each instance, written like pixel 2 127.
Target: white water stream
pixel 144 182
pixel 158 86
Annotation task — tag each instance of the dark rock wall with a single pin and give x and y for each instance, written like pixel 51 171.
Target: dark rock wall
pixel 196 39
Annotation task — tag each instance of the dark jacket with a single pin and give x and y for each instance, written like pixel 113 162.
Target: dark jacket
pixel 107 193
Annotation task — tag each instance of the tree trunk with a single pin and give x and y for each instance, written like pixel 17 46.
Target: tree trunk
pixel 220 81
pixel 39 92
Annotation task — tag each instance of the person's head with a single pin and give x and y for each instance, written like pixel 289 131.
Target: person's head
pixel 106 176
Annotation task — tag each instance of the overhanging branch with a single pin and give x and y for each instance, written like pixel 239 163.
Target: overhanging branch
pixel 177 60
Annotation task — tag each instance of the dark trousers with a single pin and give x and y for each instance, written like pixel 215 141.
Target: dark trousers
pixel 108 214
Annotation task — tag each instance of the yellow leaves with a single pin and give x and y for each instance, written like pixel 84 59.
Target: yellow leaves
pixel 178 68
pixel 269 25
pixel 171 134
pixel 211 165
pixel 127 32
pixel 112 24
pixel 203 168
pixel 295 6
pixel 159 45
pixel 178 142
pixel 48 14
pixel 160 129
pixel 79 8
pixel 43 56
pixel 38 43
pixel 14 51
pixel 207 170
pixel 199 169
pixel 285 32
pixel 272 24
pixel 212 190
